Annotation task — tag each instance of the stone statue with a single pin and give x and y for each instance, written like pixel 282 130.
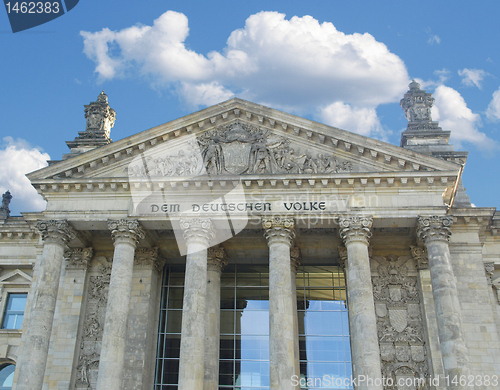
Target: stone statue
pixel 4 210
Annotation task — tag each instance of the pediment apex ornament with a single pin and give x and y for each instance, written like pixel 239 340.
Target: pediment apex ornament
pixel 56 231
pixel 126 230
pixel 355 228
pixel 434 228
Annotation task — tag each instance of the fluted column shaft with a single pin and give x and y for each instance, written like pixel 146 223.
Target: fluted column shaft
pixel 216 262
pixel 355 232
pixel 198 234
pixel 126 234
pixel 295 263
pixel 31 365
pixel 435 232
pixel 280 233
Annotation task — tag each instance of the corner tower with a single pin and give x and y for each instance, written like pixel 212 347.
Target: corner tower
pixel 423 135
pixel 100 119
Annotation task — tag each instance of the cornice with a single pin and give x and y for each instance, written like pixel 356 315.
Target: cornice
pixel 348 143
pixel 419 180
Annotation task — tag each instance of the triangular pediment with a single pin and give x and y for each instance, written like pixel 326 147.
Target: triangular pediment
pixel 240 138
pixel 16 277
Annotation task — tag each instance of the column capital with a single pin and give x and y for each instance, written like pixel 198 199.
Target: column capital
pixel 148 258
pixel 199 230
pixel 295 258
pixel 56 231
pixel 126 230
pixel 216 258
pixel 355 228
pixel 78 258
pixel 342 257
pixel 279 230
pixel 434 228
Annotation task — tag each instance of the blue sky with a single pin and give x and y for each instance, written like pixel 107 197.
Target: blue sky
pixel 344 63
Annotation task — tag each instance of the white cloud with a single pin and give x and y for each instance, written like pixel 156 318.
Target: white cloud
pixel 471 77
pixel 434 39
pixel 298 63
pixel 361 120
pixel 493 111
pixel 18 158
pixel 453 114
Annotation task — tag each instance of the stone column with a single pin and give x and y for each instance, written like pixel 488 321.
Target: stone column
pixel 126 235
pixel 435 232
pixel 279 233
pixel 198 234
pixel 31 365
pixel 355 232
pixel 295 263
pixel 216 262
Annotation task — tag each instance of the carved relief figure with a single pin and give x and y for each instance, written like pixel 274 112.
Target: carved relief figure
pixel 213 157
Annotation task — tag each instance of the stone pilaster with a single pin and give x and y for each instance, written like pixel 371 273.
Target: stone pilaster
pixel 435 232
pixel 198 234
pixel 217 260
pixel 126 235
pixel 280 234
pixel 31 365
pixel 355 232
pixel 142 320
pixel 63 346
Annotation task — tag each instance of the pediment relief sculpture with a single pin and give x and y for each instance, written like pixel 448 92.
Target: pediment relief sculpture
pixel 234 150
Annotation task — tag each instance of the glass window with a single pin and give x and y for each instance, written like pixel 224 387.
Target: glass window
pixel 14 311
pixel 324 341
pixel 6 376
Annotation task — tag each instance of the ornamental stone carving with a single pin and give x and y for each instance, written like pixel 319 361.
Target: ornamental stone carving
pixel 56 231
pixel 237 149
pixel 78 258
pixel 489 269
pixel 417 104
pixel 216 258
pixel 434 228
pixel 419 254
pixel 124 230
pixel 355 228
pixel 399 319
pixel 93 326
pixel 4 209
pixel 198 230
pixel 279 230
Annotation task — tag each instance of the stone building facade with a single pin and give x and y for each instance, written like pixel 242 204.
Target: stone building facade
pixel 241 247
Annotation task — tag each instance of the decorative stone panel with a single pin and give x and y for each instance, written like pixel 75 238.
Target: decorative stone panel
pixel 399 320
pixel 93 326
